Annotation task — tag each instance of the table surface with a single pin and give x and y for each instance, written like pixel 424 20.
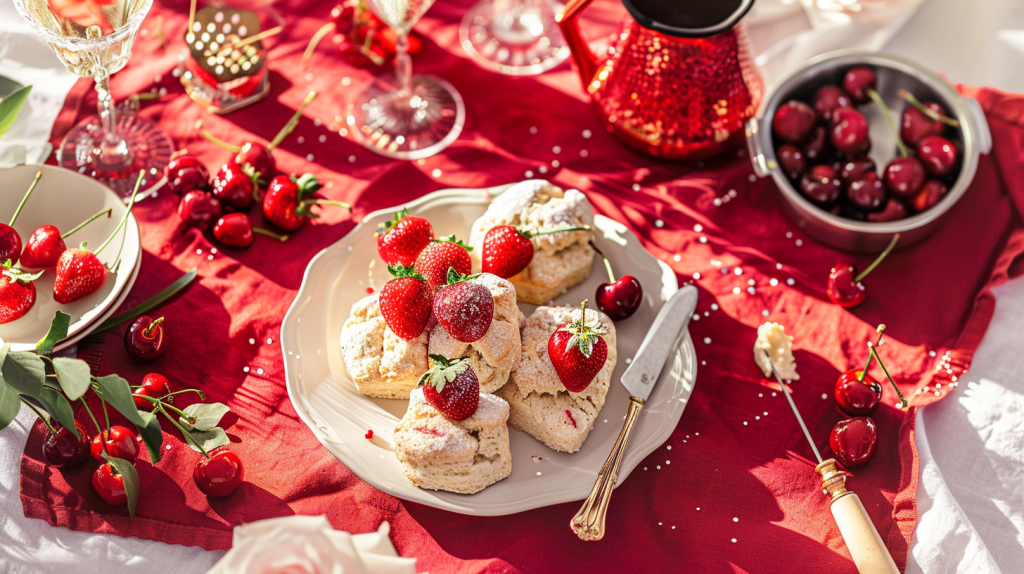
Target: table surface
pixel 971 512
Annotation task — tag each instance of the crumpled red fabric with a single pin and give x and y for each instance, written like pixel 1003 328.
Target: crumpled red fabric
pixel 732 490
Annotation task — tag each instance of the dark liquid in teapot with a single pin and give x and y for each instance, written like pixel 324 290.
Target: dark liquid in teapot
pixel 687 13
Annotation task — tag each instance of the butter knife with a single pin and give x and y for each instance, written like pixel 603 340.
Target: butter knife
pixel 639 380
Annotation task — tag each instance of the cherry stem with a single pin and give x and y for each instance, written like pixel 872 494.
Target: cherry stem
pixel 292 123
pixel 148 331
pixel 871 357
pixel 879 259
pixel 127 212
pixel 161 402
pixel 106 212
pixel 341 204
pixel 106 415
pixel 184 433
pixel 278 236
pixel 903 401
pixel 323 31
pixel 88 411
pixel 530 234
pixel 31 188
pixel 39 414
pixel 887 113
pixel 608 266
pixel 912 100
pixel 215 140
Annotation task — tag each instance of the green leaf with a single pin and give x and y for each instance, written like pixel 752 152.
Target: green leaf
pixel 207 415
pixel 73 375
pixel 59 409
pixel 152 436
pixel 10 405
pixel 148 304
pixel 210 439
pixel 25 373
pixel 118 394
pixel 58 332
pixel 131 480
pixel 11 106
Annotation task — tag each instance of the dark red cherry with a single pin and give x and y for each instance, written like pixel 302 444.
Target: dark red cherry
pixel 855 169
pixel 185 172
pixel 234 229
pixel 820 184
pixel 894 209
pixel 156 386
pixel 937 154
pixel 63 449
pixel 121 443
pixel 827 99
pixel 843 288
pixel 793 121
pixel 866 193
pixel 817 149
pixel 857 82
pixel 857 398
pixel 144 339
pixel 854 441
pixel 109 485
pixel 932 193
pixel 848 131
pixel 342 16
pixel 620 299
pixel 10 243
pixel 234 186
pixel 219 475
pixel 791 160
pixel 904 176
pixel 259 158
pixel 199 209
pixel 915 125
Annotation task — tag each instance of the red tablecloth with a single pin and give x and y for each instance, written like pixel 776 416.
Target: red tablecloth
pixel 733 488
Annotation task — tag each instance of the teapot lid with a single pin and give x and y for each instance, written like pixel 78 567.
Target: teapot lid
pixel 688 18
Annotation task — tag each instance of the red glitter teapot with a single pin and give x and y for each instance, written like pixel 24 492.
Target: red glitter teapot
pixel 677 81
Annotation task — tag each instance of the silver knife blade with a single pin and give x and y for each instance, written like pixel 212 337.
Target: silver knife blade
pixel 659 343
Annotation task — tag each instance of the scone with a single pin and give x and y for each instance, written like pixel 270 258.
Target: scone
pixel 560 260
pixel 495 355
pixel 540 405
pixel 457 456
pixel 381 363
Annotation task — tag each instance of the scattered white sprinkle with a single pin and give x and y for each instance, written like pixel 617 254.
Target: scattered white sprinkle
pixel 732 193
pixel 703 239
pixel 636 187
pixel 676 257
pixel 778 266
pixel 734 540
pixel 323 138
pixel 586 134
pixel 765 413
pixel 351 159
pixel 735 290
pixel 245 369
pixel 707 340
pixel 702 363
pixel 751 178
pixel 533 130
pixel 309 157
pixel 750 290
pixel 931 353
pixel 773 282
pixel 199 251
pixel 696 317
pixel 300 139
pixel 346 81
pixel 669 447
pixel 645 468
pixel 556 149
pixel 436 172
pixel 744 423
pixel 659 466
pixel 555 163
pixel 750 282
pixel 717 202
pixel 760 395
pixel 252 341
pixel 529 173
pixel 775 394
pixel 317 122
pixel 213 250
pixel 799 242
pixel 538 474
pixel 209 257
pixel 629 360
pixel 543 169
pixel 789 235
pixel 673 528
pixel 696 275
pixel 270 341
pixel 659 223
pixel 790 281
pixel 714 306
pixel 168 447
pixel 698 228
pixel 583 153
pixel 706 313
pixel 765 312
pixel 738 271
pixel 668 462
pixel 259 371
pixel 698 508
pixel 734 518
pixel 757 417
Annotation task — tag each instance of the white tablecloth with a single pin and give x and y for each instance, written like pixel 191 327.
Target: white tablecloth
pixel 970 501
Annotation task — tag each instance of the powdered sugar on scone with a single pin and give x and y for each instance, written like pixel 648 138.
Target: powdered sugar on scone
pixel 380 363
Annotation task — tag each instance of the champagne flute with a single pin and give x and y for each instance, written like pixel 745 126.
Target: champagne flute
pixel 95 40
pixel 405 115
pixel 514 37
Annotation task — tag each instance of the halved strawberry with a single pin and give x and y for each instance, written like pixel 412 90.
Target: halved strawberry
pixel 578 351
pixel 405 302
pixel 17 292
pixel 439 256
pixel 451 387
pixel 400 240
pixel 464 308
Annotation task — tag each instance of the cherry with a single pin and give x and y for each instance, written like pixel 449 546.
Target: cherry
pixel 817 147
pixel 937 154
pixel 894 210
pixel 43 248
pixel 827 99
pixel 63 449
pixel 121 443
pixel 820 184
pixel 235 184
pixel 867 192
pixel 856 169
pixel 619 299
pixel 792 160
pixel 234 229
pixel 156 386
pixel 855 397
pixel 915 125
pixel 185 172
pixel 144 339
pixel 342 16
pixel 220 474
pixel 848 131
pixel 258 156
pixel 854 441
pixel 199 209
pixel 793 121
pixel 904 176
pixel 844 286
pixel 932 193
pixel 109 485
pixel 858 82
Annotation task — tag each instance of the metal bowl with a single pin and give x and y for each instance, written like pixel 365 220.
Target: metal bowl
pixel 893 73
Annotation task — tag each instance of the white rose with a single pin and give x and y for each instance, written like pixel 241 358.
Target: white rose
pixel 308 545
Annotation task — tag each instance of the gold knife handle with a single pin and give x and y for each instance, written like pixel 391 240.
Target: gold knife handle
pixel 588 523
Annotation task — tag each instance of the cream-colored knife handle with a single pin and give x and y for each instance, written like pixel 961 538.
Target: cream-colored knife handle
pixel 866 546
pixel 588 523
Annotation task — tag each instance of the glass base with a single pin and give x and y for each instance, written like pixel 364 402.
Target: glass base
pixel 409 127
pixel 524 46
pixel 144 147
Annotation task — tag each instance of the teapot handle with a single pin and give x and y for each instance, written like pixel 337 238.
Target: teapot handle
pixel 585 58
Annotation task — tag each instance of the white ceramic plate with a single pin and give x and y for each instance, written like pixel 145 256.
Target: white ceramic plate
pixel 339 416
pixel 64 199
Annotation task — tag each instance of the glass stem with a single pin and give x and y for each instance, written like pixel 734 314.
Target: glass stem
pixel 108 114
pixel 403 65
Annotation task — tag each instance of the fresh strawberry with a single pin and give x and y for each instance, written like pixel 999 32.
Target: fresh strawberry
pixel 236 185
pixel 464 308
pixel 451 387
pixel 10 241
pixel 578 351
pixel 79 273
pixel 289 201
pixel 441 255
pixel 507 250
pixel 17 292
pixel 401 240
pixel 405 302
pixel 46 244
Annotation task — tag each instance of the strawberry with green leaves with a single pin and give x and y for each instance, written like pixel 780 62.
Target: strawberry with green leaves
pixel 441 255
pixel 405 302
pixel 578 350
pixel 17 292
pixel 464 308
pixel 289 201
pixel 401 240
pixel 451 387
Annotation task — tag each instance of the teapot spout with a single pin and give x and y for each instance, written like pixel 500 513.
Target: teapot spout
pixel 582 54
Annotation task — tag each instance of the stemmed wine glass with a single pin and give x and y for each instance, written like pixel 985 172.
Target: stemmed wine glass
pixel 514 37
pixel 405 115
pixel 95 40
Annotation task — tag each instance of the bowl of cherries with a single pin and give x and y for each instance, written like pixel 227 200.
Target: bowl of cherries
pixel 865 145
